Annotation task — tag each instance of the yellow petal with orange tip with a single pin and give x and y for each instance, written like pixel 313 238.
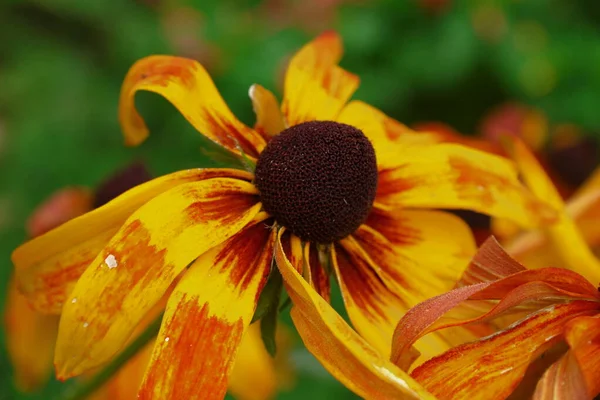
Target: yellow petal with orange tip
pixel 491 368
pixel 395 261
pixel 456 177
pixel 387 135
pixel 30 338
pixel 136 267
pixel 315 87
pixel 564 235
pixel 48 266
pixel 342 351
pixel 207 316
pixel 269 120
pixel 186 84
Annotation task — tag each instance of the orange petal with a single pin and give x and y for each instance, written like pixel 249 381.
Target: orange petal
pixel 187 85
pixel 492 367
pixel 207 316
pixel 394 262
pixel 269 120
pixel 139 263
pixel 387 135
pixel 583 336
pixel 457 177
pixel 341 351
pixel 315 87
pixel 48 266
pixel 562 381
pixel 30 338
pixel 564 235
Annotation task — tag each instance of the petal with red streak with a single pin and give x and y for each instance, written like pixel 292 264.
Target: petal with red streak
pixel 492 367
pixel 456 177
pixel 139 263
pixel 315 87
pixel 269 120
pixel 342 352
pixel 187 85
pixel 394 262
pixel 206 318
pixel 48 266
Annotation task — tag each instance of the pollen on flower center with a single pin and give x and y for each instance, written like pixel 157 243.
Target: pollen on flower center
pixel 318 179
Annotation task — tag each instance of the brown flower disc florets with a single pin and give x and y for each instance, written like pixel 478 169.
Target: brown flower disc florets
pixel 318 179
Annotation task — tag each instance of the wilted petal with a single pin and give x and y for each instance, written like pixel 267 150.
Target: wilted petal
pixel 492 367
pixel 48 266
pixel 206 318
pixel 269 120
pixel 394 262
pixel 30 338
pixel 187 85
pixel 457 177
pixel 315 87
pixel 343 352
pixel 140 262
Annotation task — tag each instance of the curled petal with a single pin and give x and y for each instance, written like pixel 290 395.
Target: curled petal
pixel 318 274
pixel 139 263
pixel 562 381
pixel 48 266
pixel 341 351
pixel 583 336
pixel 30 338
pixel 207 316
pixel 315 87
pixel 187 85
pixel 456 177
pixel 493 366
pixel 269 120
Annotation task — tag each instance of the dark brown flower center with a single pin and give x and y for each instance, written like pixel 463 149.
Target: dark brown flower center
pixel 318 179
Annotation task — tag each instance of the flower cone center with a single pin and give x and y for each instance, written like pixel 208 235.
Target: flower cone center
pixel 318 179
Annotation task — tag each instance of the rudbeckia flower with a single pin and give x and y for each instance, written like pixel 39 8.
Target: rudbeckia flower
pixel 332 187
pixel 554 307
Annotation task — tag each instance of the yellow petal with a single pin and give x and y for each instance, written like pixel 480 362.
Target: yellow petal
pixel 341 351
pixel 48 266
pixel 207 316
pixel 269 120
pixel 564 235
pixel 30 338
pixel 315 87
pixel 457 177
pixel 139 263
pixel 187 85
pixel 387 135
pixel 395 261
pixel 491 368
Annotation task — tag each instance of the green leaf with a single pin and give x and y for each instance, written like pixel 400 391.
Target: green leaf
pixel 269 298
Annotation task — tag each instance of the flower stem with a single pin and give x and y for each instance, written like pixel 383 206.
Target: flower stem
pixel 86 388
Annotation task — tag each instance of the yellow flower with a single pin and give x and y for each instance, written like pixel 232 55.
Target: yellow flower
pixel 337 187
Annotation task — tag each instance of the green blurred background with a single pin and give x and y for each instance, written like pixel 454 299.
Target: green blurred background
pixel 62 63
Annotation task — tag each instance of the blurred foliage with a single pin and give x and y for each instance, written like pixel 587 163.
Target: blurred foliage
pixel 62 63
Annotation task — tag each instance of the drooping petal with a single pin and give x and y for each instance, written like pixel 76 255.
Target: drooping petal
pixel 318 273
pixel 394 262
pixel 564 235
pixel 269 120
pixel 187 85
pixel 583 336
pixel 315 87
pixel 343 352
pixel 207 316
pixel 562 381
pixel 30 338
pixel 139 263
pixel 47 267
pixel 387 135
pixel 492 367
pixel 456 177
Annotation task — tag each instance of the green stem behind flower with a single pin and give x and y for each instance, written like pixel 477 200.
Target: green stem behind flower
pixel 85 389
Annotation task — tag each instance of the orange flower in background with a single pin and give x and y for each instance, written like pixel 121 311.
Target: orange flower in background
pixel 551 305
pixel 336 187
